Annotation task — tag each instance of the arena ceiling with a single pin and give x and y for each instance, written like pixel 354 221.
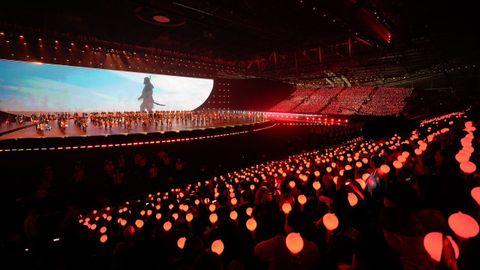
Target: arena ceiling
pixel 276 39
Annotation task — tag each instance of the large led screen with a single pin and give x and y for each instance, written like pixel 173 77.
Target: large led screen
pixel 37 87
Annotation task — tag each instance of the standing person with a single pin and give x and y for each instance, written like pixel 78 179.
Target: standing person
pixel 147 96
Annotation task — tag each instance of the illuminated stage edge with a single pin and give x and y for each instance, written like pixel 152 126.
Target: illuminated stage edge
pixel 130 140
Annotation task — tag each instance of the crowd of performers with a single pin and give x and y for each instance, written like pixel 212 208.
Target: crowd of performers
pixel 130 120
pixel 8 120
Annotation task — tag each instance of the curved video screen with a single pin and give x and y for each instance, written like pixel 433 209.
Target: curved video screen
pixel 37 87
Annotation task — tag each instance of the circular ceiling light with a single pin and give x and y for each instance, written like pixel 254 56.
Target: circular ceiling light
pixel 161 19
pixel 158 17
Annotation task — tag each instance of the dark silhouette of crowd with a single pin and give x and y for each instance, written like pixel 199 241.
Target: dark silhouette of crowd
pixel 365 204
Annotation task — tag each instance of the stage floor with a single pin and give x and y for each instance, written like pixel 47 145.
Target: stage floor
pixel 29 131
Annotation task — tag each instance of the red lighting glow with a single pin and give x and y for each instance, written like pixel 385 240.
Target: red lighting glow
pixel 352 199
pixel 217 247
pixel 286 208
pixel 251 224
pixel 161 19
pixel 294 242
pixel 385 168
pixel 330 221
pixel 433 243
pixel 468 167
pixel 463 225
pixel 476 194
pixel 181 242
pixel 103 239
pixel 139 223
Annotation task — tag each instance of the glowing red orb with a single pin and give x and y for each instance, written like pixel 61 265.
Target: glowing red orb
pixel 294 242
pixel 463 225
pixel 161 19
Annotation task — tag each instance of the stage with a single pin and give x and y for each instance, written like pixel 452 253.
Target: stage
pixel 26 137
pixel 28 130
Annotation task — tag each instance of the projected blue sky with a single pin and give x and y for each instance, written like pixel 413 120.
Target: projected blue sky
pixel 30 87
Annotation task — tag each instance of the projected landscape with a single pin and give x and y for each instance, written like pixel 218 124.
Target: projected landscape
pixel 35 87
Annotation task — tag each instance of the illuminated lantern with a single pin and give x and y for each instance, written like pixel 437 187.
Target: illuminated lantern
pixel 423 147
pixel 103 229
pixel 233 201
pixel 103 239
pixel 365 176
pixel 252 187
pixel 358 164
pixel 130 230
pixel 405 154
pixel 286 208
pixel 365 160
pixel 212 207
pixel 175 216
pixel 433 243
pixel 476 194
pixel 251 224
pixel 139 223
pixel 385 168
pixel 249 211
pixel 149 212
pixel 467 141
pixel 462 156
pixel 291 184
pixel 335 179
pixel 197 202
pixel 217 247
pixel 361 183
pixel 418 151
pixel 469 149
pixel 316 173
pixel 402 159
pixel 463 225
pixel 93 226
pixel 233 215
pixel 123 222
pixel 167 226
pixel 181 242
pixel 158 216
pixel 294 243
pixel 352 199
pixel 213 218
pixel 189 217
pixel 348 167
pixel 397 164
pixel 170 206
pixel 316 185
pixel 468 167
pixel 330 221
pixel 329 169
pixel 302 199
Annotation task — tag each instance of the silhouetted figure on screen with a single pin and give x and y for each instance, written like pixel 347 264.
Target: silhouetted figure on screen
pixel 147 96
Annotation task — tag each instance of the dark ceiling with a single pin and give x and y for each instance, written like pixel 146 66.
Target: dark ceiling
pixel 222 28
pixel 266 30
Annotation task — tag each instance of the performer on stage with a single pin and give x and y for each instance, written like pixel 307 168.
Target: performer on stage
pixel 147 96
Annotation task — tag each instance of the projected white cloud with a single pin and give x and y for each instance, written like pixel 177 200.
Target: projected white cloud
pixel 29 87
